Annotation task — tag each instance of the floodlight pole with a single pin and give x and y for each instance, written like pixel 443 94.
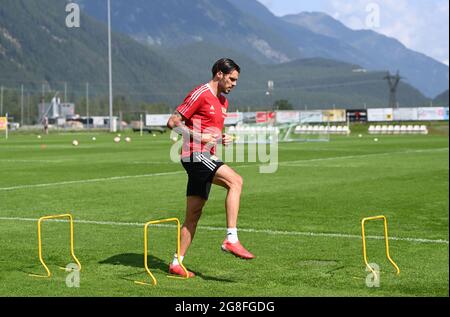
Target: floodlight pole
pixel 110 70
pixel 87 104
pixel 6 131
pixel 21 105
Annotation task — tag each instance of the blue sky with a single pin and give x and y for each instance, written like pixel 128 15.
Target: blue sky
pixel 422 25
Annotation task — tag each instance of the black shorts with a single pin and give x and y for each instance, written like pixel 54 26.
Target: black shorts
pixel 201 168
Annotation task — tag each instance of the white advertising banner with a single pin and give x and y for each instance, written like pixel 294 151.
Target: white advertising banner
pixel 431 113
pixel 311 116
pixel 288 116
pixel 406 114
pixel 380 115
pixel 98 121
pixel 233 118
pixel 156 119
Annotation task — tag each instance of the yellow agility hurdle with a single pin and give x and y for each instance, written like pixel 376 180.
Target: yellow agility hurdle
pixel 72 253
pixel 385 238
pixel 154 282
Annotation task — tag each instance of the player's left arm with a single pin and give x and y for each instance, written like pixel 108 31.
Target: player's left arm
pixel 226 138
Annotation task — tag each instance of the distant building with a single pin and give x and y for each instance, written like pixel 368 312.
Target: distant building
pixel 56 110
pixel 98 122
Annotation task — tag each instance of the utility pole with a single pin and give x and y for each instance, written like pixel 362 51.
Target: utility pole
pixel 269 93
pixel 21 106
pixel 65 92
pixel 111 129
pixel 42 100
pixel 87 104
pixel 28 108
pixel 393 82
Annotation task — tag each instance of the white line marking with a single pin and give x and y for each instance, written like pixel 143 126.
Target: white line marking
pixel 33 161
pixel 89 181
pixel 362 156
pixel 262 231
pixel 287 163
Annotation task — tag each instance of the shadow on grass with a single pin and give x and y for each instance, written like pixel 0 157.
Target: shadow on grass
pixel 40 270
pixel 154 264
pixel 136 260
pixel 30 270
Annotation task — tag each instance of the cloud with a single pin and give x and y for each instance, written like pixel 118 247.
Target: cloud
pixel 420 25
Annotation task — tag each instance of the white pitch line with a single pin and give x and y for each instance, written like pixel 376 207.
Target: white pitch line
pixel 94 180
pixel 362 156
pixel 33 161
pixel 287 163
pixel 261 231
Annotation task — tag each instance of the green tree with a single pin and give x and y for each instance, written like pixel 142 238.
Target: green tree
pixel 283 105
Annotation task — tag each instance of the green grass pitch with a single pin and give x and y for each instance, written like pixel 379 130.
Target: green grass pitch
pixel 302 222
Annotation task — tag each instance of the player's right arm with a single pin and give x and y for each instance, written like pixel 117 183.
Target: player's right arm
pixel 176 120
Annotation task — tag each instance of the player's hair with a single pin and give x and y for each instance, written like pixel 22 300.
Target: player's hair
pixel 226 66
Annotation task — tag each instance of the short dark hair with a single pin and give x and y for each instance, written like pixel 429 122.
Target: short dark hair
pixel 226 66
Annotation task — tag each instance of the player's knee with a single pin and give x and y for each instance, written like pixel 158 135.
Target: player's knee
pixel 237 182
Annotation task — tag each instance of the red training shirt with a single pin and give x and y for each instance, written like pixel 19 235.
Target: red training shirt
pixel 203 112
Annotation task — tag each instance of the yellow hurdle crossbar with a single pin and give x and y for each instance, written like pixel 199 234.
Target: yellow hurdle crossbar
pixel 154 282
pixel 72 252
pixel 386 241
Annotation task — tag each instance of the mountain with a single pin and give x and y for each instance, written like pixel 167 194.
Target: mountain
pixel 251 29
pixel 53 54
pixel 49 52
pixel 308 44
pixel 230 23
pixel 442 99
pixel 172 23
pixel 380 52
pixel 306 83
